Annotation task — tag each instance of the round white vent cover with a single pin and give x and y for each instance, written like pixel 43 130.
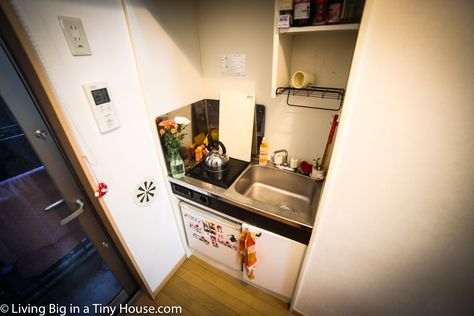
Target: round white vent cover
pixel 145 193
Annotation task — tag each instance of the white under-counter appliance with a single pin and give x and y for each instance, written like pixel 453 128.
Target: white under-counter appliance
pixel 213 235
pixel 212 225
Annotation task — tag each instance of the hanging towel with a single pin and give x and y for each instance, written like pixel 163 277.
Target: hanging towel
pixel 248 255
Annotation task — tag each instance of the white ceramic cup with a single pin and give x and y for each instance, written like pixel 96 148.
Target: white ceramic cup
pixel 294 163
pixel 302 79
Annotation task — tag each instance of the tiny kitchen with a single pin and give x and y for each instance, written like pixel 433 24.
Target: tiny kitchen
pixel 274 141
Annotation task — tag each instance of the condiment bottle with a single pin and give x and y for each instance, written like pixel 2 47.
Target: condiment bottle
pixel 263 158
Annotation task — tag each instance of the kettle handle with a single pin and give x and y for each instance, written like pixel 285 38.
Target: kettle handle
pixel 210 143
pixel 224 150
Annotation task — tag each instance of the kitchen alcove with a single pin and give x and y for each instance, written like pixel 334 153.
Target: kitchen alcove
pixel 325 51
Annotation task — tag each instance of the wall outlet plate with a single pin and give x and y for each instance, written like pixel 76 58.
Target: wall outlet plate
pixel 75 35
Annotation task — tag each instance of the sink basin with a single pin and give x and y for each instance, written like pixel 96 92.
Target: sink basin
pixel 280 192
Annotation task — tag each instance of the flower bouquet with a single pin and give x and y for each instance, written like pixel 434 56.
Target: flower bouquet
pixel 171 132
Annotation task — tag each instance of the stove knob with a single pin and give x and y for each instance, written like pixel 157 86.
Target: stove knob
pixel 204 199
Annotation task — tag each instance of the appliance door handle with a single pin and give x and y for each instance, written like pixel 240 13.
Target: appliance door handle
pixel 74 214
pixel 51 206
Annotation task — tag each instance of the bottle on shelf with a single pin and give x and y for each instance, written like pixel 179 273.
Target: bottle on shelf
pixel 352 11
pixel 319 15
pixel 263 158
pixel 302 13
pixel 334 11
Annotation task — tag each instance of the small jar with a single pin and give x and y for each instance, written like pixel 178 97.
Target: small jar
pixel 302 13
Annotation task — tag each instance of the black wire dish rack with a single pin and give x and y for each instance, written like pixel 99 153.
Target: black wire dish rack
pixel 313 92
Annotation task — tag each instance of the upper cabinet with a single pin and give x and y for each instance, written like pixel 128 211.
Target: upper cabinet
pixel 323 51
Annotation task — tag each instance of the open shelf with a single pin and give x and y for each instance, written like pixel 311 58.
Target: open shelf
pixel 320 28
pixel 334 94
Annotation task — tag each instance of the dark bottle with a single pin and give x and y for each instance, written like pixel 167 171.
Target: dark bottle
pixel 319 14
pixel 302 13
pixel 334 11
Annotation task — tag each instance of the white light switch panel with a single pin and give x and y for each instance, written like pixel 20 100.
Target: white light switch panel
pixel 75 35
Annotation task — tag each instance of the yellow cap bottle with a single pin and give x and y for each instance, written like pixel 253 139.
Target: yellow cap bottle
pixel 263 157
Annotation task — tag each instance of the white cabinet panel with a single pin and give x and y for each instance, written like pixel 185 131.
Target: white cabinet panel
pixel 278 261
pixel 212 235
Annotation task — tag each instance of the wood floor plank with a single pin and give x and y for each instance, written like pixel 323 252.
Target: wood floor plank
pixel 243 285
pixel 184 293
pixel 239 293
pixel 160 300
pixel 269 298
pixel 269 309
pixel 210 289
pixel 238 290
pixel 199 270
pixel 199 310
pixel 164 300
pixel 202 289
pixel 253 312
pixel 217 271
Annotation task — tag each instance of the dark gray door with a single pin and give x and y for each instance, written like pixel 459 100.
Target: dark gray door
pixel 52 247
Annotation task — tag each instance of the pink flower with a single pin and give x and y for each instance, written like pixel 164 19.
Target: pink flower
pixel 167 123
pixel 162 131
pixel 173 130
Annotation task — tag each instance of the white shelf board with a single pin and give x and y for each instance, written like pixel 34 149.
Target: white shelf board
pixel 320 28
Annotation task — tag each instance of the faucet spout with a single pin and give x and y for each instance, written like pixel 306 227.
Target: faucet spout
pixel 272 158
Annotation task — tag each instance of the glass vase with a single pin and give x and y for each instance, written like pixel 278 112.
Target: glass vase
pixel 176 163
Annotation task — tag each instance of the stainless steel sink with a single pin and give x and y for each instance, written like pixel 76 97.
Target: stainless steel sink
pixel 281 193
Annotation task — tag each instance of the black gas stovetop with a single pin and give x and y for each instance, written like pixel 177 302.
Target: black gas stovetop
pixel 222 179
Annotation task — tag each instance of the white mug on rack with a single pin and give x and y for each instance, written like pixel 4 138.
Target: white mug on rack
pixel 302 79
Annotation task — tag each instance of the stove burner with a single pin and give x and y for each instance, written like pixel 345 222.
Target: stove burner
pixel 222 179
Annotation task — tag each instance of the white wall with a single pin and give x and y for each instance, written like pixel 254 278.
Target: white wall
pixel 395 224
pixel 167 48
pixel 120 158
pixel 246 27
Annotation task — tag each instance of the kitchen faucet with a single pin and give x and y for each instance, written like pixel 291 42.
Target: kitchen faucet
pixel 272 158
pixel 284 164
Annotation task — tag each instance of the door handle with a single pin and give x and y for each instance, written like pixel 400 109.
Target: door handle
pixel 49 207
pixel 74 214
pixel 41 134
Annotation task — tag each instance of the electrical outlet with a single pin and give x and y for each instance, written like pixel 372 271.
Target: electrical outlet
pixel 75 35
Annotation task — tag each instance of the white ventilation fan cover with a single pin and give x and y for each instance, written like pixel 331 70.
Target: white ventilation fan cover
pixel 145 193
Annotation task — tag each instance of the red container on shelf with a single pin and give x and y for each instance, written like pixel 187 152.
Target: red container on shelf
pixel 319 12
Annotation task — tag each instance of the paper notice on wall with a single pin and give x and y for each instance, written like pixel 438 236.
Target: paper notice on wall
pixel 233 64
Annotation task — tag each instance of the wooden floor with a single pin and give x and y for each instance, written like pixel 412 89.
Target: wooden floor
pixel 201 289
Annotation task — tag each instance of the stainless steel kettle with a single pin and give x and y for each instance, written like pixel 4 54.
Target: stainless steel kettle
pixel 215 161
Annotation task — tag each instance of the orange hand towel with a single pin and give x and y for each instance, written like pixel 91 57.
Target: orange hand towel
pixel 247 252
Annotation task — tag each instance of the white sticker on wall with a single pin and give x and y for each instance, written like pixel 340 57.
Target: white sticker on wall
pixel 233 64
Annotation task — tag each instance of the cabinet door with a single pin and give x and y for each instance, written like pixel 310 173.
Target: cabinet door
pixel 278 261
pixel 212 235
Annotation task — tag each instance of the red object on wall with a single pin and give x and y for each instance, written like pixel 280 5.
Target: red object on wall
pixel 101 191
